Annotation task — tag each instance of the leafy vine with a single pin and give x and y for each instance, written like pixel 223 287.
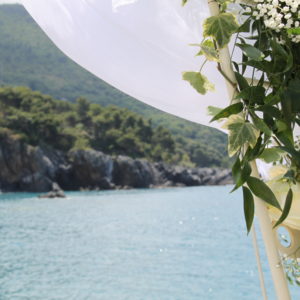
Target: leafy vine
pixel 266 106
pixel 265 109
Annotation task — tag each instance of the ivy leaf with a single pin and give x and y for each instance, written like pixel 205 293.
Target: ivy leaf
pixel 209 51
pixel 248 208
pixel 228 111
pixel 270 155
pixel 240 133
pixel 286 209
pixel 198 81
pixel 251 52
pixel 262 191
pixel 221 28
pixel 213 110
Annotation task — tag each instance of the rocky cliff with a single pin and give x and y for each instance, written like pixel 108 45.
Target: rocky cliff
pixel 35 169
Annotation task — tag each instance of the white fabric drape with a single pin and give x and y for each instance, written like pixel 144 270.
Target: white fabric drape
pixel 138 46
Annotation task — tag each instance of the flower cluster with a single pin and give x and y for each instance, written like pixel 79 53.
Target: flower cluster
pixel 279 15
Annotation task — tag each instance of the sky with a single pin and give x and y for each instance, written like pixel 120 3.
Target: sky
pixel 9 1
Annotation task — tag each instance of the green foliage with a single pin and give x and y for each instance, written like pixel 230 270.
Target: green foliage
pixel 208 50
pixel 198 81
pixel 251 51
pixel 287 207
pixel 261 190
pixel 261 124
pixel 29 58
pixel 228 111
pixel 221 28
pixel 240 134
pixel 65 126
pixel 248 207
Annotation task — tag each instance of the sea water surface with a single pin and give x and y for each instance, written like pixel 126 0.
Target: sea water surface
pixel 179 243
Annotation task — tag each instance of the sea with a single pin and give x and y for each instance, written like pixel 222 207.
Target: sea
pixel 156 244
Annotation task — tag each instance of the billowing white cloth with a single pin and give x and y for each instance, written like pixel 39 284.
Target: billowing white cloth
pixel 139 46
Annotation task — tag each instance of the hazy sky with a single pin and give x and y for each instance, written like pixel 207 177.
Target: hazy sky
pixel 10 1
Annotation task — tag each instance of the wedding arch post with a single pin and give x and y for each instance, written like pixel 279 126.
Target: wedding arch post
pixel 268 234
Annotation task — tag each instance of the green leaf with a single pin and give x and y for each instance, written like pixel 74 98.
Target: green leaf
pixel 294 153
pixel 240 133
pixel 221 28
pixel 270 110
pixel 242 82
pixel 252 93
pixel 184 2
pixel 213 110
pixel 262 191
pixel 265 66
pixel 245 27
pixel 292 94
pixel 251 52
pixel 236 170
pixel 198 81
pixel 248 207
pixel 281 126
pixel 270 155
pixel 295 31
pixel 287 207
pixel 241 175
pixel 209 51
pixel 283 61
pixel 262 126
pixel 272 99
pixel 228 111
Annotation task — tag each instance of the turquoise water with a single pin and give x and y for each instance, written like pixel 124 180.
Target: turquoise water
pixel 181 243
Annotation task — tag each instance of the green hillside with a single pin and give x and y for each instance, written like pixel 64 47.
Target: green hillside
pixel 39 119
pixel 29 58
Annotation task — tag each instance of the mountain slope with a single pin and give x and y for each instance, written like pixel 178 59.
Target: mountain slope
pixel 29 58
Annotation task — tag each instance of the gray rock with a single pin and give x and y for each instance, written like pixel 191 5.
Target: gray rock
pixel 56 192
pixel 90 168
pixel 35 169
pixel 137 173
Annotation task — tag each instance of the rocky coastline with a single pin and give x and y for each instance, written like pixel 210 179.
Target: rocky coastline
pixel 36 169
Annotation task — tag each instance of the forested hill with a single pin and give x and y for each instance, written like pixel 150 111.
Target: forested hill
pixel 38 119
pixel 29 58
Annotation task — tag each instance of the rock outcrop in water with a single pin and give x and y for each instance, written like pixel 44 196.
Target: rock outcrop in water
pixel 56 192
pixel 35 169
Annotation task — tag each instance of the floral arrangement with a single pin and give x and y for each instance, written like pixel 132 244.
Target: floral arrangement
pixel 265 109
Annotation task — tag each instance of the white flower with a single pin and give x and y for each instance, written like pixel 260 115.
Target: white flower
pixel 287 16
